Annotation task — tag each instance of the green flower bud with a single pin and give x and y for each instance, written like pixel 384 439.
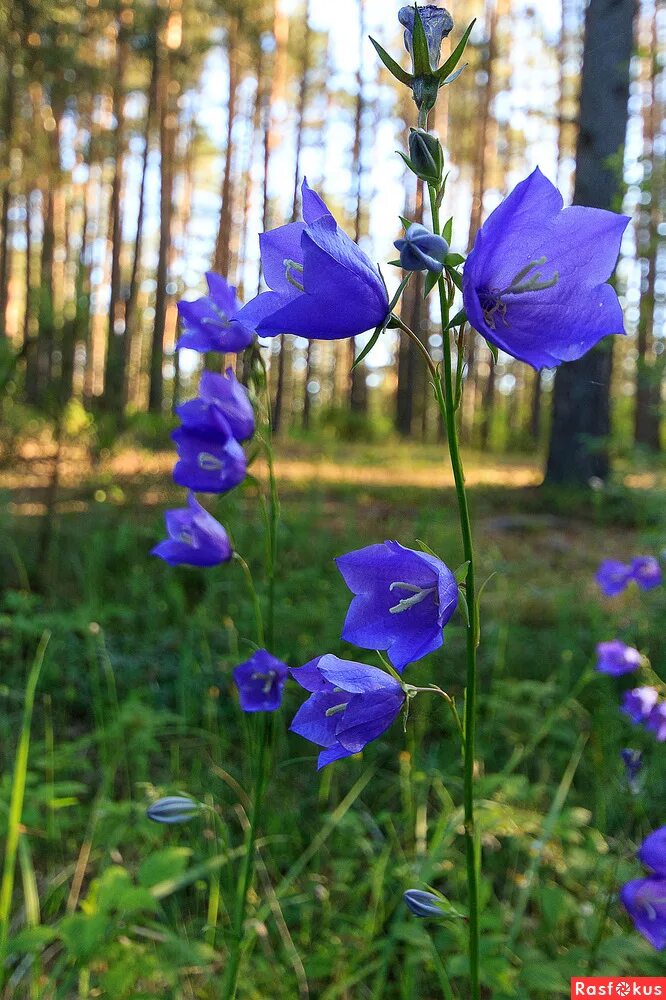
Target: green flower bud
pixel 426 155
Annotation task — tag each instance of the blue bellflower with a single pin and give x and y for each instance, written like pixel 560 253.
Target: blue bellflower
pixel 437 25
pixel 423 904
pixel 211 324
pixel 195 538
pixel 404 598
pixel 656 722
pixel 211 461
pixel 174 809
pixel 422 250
pixel 260 682
pixel 323 287
pixel 646 571
pixel 616 659
pixel 535 283
pixel 639 702
pixel 645 898
pixel 350 705
pixel 223 405
pixel 633 765
pixel 613 577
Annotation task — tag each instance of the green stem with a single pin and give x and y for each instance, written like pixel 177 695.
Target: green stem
pixel 446 399
pixel 247 573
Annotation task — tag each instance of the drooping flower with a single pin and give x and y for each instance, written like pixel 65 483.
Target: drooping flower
pixel 422 903
pixel 437 24
pixel 220 396
pixel 174 809
pixel 613 577
pixel 323 287
pixel 645 901
pixel 652 852
pixel 195 538
pixel 633 765
pixel 350 705
pixel 646 571
pixel 639 702
pixel 656 722
pixel 422 250
pixel 535 283
pixel 209 463
pixel 404 598
pixel 211 323
pixel 260 682
pixel 616 659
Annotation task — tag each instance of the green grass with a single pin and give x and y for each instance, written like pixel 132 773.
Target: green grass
pixel 135 701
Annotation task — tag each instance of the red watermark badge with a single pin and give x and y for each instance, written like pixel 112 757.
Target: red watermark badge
pixel 618 987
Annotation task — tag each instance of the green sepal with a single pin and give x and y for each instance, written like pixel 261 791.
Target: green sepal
pixel 421 56
pixel 395 263
pixel 461 573
pixel 431 280
pixel 392 66
pixel 455 276
pixel 426 548
pixel 408 163
pixel 368 347
pixel 493 350
pixel 387 324
pixel 406 223
pixel 447 68
pixel 447 231
pixel 458 320
pixel 393 324
pixel 453 259
pixel 464 607
pixel 454 76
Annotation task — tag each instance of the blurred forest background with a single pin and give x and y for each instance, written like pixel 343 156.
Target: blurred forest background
pixel 143 142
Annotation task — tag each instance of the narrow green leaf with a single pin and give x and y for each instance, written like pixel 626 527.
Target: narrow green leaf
pixel 493 350
pixel 421 55
pixel 458 320
pixel 462 604
pixel 392 66
pixel 447 231
pixel 455 277
pixel 431 280
pixel 453 259
pixel 461 573
pixel 408 163
pixel 448 67
pixel 368 347
pixel 426 548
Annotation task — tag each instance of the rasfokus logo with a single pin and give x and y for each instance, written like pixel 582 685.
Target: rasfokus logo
pixel 629 986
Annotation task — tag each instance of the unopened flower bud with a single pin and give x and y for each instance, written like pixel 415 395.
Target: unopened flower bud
pixel 426 155
pixel 423 904
pixel 422 250
pixel 174 809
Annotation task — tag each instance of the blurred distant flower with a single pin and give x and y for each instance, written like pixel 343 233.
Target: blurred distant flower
pixel 422 250
pixel 222 405
pixel 646 571
pixel 209 463
pixel 613 577
pixel 323 287
pixel 210 323
pixel 535 283
pixel 656 722
pixel 174 809
pixel 437 24
pixel 616 659
pixel 639 702
pixel 633 765
pixel 195 538
pixel 260 682
pixel 350 705
pixel 423 904
pixel 645 899
pixel 404 598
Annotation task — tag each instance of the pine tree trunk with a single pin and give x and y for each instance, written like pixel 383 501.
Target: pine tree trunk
pixel 358 390
pixel 581 406
pixel 222 256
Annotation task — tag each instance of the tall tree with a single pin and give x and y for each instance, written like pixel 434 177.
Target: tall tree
pixel 581 407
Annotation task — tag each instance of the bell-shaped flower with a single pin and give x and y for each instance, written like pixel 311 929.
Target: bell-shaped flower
pixel 404 598
pixel 653 851
pixel 209 461
pixel 646 571
pixel 211 323
pixel 195 538
pixel 633 765
pixel 422 250
pixel 222 404
pixel 437 24
pixel 616 659
pixel 656 722
pixel 260 682
pixel 613 577
pixel 645 901
pixel 350 705
pixel 323 287
pixel 535 284
pixel 639 702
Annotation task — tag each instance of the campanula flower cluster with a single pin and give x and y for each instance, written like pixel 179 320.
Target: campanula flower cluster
pixel 645 898
pixel 614 577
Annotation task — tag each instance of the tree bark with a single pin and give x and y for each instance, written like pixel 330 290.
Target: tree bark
pixel 581 407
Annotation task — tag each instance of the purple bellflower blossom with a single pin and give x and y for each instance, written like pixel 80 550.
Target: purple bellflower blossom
pixel 210 323
pixel 613 577
pixel 210 462
pixel 616 659
pixel 423 904
pixel 656 722
pixel 350 705
pixel 174 809
pixel 260 682
pixel 322 285
pixel 535 283
pixel 645 898
pixel 404 598
pixel 195 538
pixel 437 24
pixel 639 702
pixel 646 571
pixel 633 765
pixel 223 405
pixel 422 250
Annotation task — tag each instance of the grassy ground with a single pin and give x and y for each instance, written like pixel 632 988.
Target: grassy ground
pixel 135 701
